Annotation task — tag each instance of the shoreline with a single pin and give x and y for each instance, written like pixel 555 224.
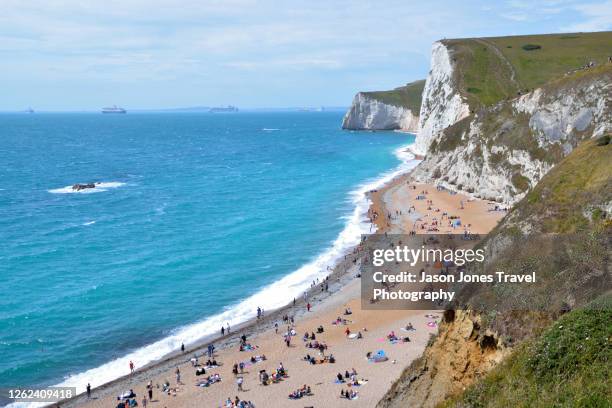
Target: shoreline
pixel 339 278
pixel 398 192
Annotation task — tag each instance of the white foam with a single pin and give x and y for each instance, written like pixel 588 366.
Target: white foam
pixel 100 187
pixel 270 129
pixel 271 297
pixel 89 223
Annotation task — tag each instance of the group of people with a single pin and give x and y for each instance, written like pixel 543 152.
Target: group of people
pixel 278 375
pixel 348 394
pixel 348 376
pixel 301 392
pixel 238 403
pixel 128 400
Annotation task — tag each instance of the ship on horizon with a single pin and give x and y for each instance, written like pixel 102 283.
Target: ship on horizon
pixel 228 108
pixel 113 109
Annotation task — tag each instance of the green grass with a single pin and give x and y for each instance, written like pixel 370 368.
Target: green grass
pixel 481 73
pixel 408 96
pixel 580 180
pixel 496 68
pixel 559 53
pixel 569 365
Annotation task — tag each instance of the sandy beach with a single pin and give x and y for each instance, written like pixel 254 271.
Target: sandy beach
pixel 390 208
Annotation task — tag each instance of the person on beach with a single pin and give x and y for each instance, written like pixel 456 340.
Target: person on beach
pixel 131 367
pixel 150 390
pixel 228 328
pixel 222 331
pixel 178 375
pixel 182 347
pixel 239 382
pixel 88 391
pixel 308 306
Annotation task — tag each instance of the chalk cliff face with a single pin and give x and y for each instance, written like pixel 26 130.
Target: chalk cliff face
pixel 442 103
pixel 500 151
pixel 368 113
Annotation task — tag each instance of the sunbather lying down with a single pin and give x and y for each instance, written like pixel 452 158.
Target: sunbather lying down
pixel 211 379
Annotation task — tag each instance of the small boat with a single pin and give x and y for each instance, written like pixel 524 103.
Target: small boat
pixel 113 109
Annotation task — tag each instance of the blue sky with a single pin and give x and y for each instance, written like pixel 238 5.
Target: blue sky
pixel 81 55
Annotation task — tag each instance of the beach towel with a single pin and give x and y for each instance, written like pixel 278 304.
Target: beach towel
pixel 352 336
pixel 379 357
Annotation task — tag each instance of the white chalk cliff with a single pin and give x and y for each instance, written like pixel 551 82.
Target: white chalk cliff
pixel 501 151
pixel 442 103
pixel 368 113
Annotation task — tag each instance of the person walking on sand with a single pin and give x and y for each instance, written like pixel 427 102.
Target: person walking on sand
pixel 88 391
pixel 131 367
pixel 178 375
pixel 239 382
pixel 228 328
pixel 222 331
pixel 150 390
pixel 308 306
pixel 183 347
pixel 144 402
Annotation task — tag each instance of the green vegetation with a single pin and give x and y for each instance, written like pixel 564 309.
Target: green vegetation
pixel 530 47
pixel 408 96
pixel 481 72
pixel 570 365
pixel 559 54
pixel 579 181
pixel 496 68
pixel 520 182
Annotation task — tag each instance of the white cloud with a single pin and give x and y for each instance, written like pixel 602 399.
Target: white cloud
pixel 598 17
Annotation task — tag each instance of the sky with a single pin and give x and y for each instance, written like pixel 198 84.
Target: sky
pixel 146 54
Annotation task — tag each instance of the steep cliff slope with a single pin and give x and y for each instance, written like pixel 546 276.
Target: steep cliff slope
pixel 569 365
pixel 498 113
pixel 575 197
pixel 386 110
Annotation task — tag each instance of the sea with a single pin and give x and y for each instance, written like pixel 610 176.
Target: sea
pixel 197 219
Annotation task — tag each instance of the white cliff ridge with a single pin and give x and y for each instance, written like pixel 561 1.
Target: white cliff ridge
pixel 368 113
pixel 442 103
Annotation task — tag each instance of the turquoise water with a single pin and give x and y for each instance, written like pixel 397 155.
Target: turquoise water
pixel 197 215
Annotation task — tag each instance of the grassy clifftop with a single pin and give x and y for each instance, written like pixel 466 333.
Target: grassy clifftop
pixel 408 96
pixel 496 68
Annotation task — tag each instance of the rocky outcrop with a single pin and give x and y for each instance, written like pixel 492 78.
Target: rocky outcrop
pixel 369 113
pixel 442 103
pixel 461 352
pixel 80 186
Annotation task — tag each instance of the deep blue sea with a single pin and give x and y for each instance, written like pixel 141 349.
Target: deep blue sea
pixel 199 219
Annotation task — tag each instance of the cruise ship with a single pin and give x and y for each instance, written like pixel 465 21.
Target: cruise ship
pixel 229 108
pixel 114 109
